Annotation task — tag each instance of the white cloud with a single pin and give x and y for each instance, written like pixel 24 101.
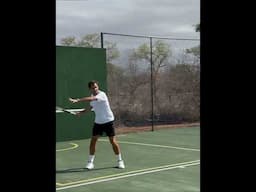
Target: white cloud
pixel 184 29
pixel 142 17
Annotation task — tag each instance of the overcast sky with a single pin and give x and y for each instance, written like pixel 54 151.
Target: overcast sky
pixel 168 18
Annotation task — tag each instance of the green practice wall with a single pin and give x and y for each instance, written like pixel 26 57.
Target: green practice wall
pixel 75 67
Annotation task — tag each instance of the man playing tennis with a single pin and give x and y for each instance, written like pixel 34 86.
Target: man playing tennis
pixel 103 122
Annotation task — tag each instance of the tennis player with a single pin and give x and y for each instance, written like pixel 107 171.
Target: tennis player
pixel 103 122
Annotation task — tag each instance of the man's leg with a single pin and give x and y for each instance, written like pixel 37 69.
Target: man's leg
pixel 93 144
pixel 92 150
pixel 114 144
pixel 117 151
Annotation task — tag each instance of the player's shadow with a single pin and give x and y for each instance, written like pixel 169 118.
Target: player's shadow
pixel 82 169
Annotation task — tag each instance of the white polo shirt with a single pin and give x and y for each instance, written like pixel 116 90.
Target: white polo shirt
pixel 101 107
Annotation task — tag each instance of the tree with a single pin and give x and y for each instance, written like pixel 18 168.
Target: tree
pixel 195 50
pixel 182 95
pixel 197 27
pixel 112 51
pixel 135 77
pixel 160 54
pixel 91 41
pixel 69 41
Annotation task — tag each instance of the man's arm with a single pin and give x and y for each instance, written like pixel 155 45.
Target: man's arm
pixel 92 98
pixel 83 111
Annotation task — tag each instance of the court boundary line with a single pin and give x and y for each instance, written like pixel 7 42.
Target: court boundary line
pixel 69 148
pixel 154 145
pixel 128 174
pixel 71 110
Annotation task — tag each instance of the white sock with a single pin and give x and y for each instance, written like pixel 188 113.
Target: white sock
pixel 91 158
pixel 119 157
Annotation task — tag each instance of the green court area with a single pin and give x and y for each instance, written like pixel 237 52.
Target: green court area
pixel 163 160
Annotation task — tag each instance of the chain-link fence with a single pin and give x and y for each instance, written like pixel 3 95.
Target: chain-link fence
pixel 152 80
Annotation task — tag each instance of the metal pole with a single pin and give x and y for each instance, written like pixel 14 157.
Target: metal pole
pixel 152 87
pixel 101 39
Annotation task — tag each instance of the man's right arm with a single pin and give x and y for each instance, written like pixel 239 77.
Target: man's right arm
pixel 92 98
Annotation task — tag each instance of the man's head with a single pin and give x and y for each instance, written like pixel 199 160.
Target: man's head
pixel 94 87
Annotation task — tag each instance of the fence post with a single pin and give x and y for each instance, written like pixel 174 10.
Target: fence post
pixel 152 87
pixel 101 40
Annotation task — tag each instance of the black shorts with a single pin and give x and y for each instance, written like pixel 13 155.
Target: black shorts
pixel 99 129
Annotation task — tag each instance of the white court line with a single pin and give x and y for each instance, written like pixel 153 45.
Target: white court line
pixel 128 175
pixel 125 173
pixel 153 145
pixel 69 148
pixel 71 110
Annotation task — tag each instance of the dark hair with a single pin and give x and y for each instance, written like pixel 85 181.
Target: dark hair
pixel 91 83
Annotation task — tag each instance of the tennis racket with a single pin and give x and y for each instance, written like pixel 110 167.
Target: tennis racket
pixel 65 110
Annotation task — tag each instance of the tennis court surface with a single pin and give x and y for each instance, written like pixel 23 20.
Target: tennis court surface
pixel 162 161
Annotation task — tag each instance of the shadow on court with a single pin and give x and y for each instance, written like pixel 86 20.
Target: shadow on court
pixel 82 169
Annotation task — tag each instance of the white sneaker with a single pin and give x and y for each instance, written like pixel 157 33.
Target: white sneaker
pixel 121 164
pixel 90 165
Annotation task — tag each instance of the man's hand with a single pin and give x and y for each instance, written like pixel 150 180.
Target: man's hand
pixel 78 113
pixel 73 100
pixel 81 112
